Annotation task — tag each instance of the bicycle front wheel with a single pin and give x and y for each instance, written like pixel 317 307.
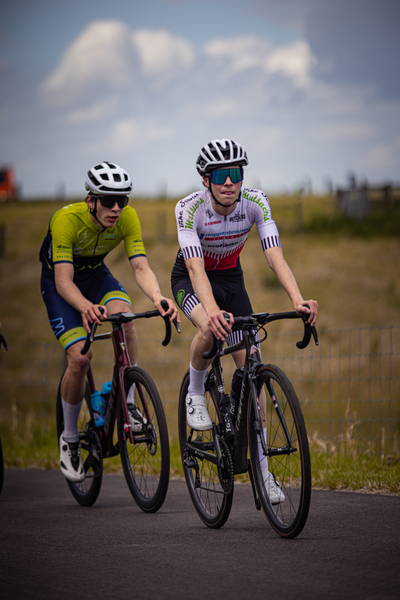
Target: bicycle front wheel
pixel 146 461
pixel 283 477
pixel 210 490
pixel 87 491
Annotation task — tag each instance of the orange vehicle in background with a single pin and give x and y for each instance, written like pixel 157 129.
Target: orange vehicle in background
pixel 8 186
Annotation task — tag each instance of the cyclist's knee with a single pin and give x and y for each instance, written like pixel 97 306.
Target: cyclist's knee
pixel 77 362
pixel 204 337
pixel 130 331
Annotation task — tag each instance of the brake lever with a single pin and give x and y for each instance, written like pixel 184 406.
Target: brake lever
pixel 90 336
pixel 216 344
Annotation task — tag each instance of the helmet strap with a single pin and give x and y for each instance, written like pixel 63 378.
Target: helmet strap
pixel 93 212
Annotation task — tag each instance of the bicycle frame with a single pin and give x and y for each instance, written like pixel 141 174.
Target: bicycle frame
pixel 121 364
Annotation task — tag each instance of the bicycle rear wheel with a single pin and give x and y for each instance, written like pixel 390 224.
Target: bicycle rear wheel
pixel 287 452
pixel 211 501
pixel 146 462
pixel 87 491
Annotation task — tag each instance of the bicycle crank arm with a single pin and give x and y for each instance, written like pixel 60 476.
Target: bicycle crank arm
pixel 202 454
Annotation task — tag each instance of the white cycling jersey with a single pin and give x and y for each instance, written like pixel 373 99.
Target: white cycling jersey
pixel 217 239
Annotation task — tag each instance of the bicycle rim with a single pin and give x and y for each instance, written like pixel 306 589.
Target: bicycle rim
pixel 87 491
pixel 146 462
pixel 288 453
pixel 202 479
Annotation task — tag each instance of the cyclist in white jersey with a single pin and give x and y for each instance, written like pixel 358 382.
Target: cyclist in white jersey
pixel 207 279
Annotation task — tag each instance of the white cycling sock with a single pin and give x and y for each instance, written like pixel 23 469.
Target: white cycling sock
pixel 129 397
pixel 196 381
pixel 262 457
pixel 71 413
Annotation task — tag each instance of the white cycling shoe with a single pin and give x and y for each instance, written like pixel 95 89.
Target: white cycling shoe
pixel 137 421
pixel 275 494
pixel 71 461
pixel 196 412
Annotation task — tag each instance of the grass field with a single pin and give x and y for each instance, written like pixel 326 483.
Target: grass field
pixel 350 267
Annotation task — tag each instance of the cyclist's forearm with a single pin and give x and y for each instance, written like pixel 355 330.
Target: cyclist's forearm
pixel 68 290
pixel 284 274
pixel 146 279
pixel 201 285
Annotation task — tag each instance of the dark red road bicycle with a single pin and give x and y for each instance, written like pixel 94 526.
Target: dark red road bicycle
pixel 144 456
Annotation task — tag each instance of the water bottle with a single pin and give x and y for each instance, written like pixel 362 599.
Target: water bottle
pixel 235 392
pixel 99 403
pixel 105 390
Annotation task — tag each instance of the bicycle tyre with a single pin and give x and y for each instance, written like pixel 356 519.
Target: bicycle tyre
pixel 87 491
pixel 291 469
pixel 210 501
pixel 145 463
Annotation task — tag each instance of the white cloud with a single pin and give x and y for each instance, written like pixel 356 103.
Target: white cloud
pixel 239 53
pixel 128 134
pixel 147 98
pixel 160 52
pixel 242 53
pixel 295 60
pixel 102 60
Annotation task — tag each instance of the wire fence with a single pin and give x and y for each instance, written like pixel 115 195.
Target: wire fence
pixel 348 387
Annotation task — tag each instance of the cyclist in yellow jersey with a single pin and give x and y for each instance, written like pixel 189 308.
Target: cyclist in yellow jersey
pixel 75 282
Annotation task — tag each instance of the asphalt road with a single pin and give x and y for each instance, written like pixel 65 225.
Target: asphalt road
pixel 52 548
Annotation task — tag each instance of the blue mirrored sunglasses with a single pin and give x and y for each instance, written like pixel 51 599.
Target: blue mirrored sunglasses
pixel 219 176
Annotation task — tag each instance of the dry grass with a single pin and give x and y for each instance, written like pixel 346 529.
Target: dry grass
pixel 355 281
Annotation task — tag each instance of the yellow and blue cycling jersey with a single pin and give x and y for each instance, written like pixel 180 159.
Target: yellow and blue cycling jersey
pixel 74 238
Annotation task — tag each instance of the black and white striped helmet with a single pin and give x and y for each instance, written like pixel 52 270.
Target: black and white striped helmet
pixel 108 178
pixel 220 153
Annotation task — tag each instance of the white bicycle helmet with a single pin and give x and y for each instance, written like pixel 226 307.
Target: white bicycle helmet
pixel 220 153
pixel 108 178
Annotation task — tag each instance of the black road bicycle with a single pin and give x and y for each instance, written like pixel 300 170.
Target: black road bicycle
pixel 263 412
pixel 144 456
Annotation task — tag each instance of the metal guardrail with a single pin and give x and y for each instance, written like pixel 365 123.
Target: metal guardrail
pixel 349 387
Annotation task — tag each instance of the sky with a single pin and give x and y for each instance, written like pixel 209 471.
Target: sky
pixel 310 88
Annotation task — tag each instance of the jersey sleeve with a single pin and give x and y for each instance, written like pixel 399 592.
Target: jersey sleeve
pixel 266 226
pixel 132 233
pixel 63 238
pixel 186 212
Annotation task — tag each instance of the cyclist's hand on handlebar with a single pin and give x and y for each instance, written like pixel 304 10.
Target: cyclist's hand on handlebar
pixel 219 325
pixel 93 314
pixel 172 309
pixel 310 308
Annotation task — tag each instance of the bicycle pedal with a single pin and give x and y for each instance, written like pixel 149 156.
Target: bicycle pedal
pixel 190 463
